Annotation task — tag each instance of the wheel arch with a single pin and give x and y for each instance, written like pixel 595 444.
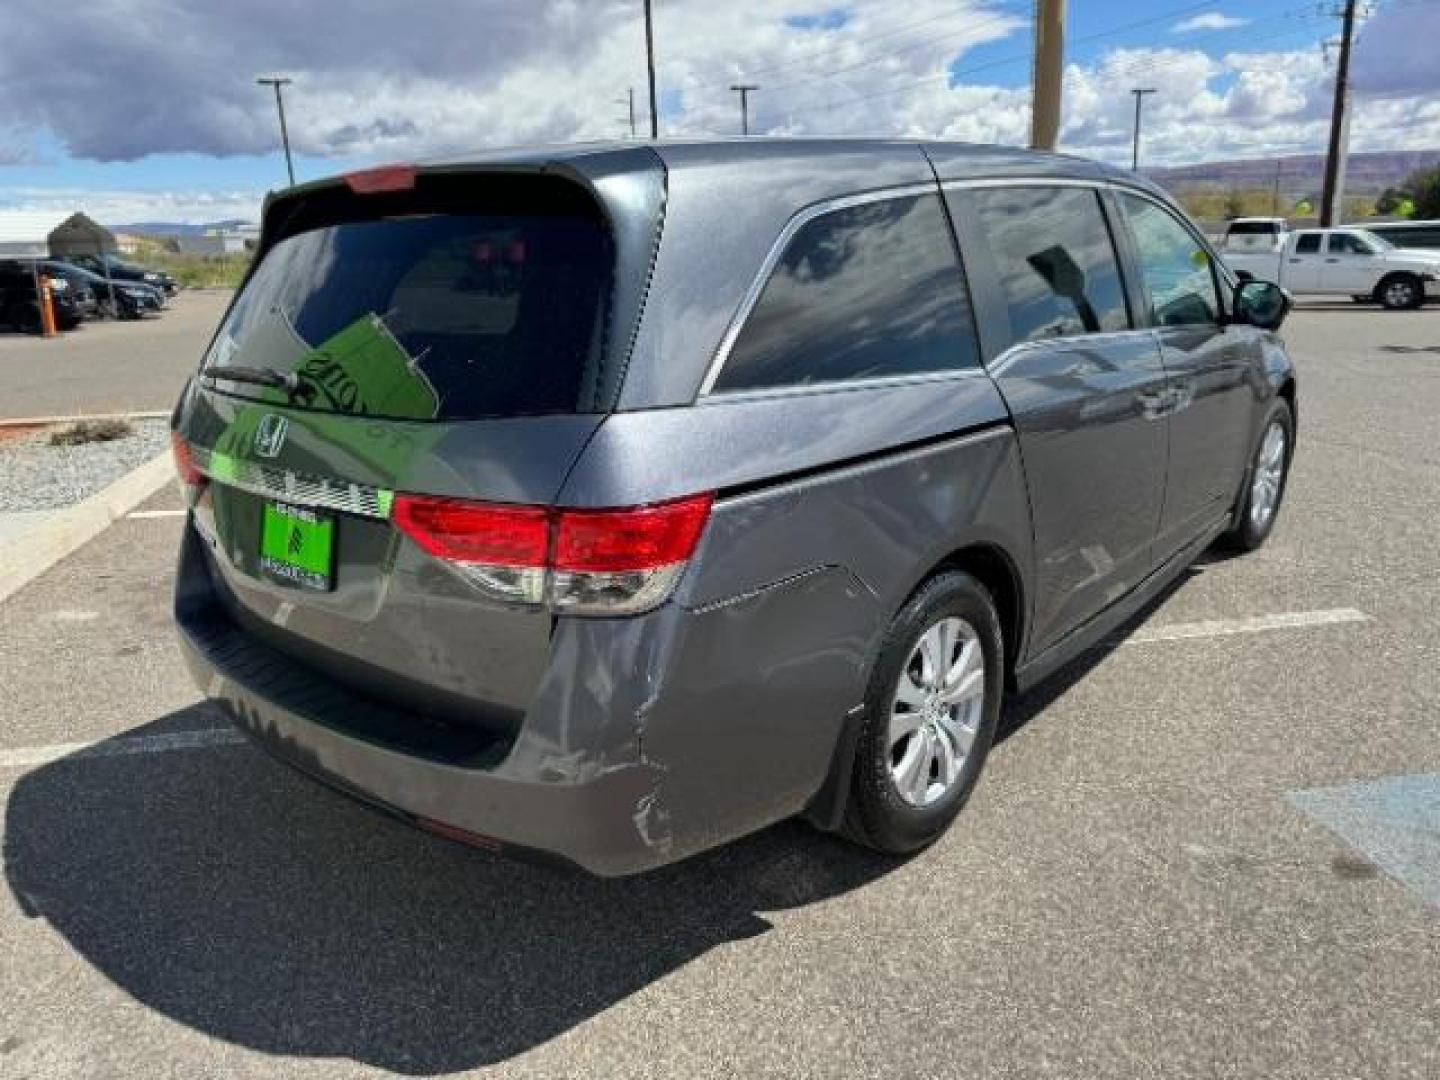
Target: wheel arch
pixel 996 569
pixel 992 566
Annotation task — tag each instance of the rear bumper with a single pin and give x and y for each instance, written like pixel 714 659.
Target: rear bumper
pixel 709 732
pixel 598 824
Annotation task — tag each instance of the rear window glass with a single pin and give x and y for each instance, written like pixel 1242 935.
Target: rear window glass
pixel 442 316
pixel 1308 244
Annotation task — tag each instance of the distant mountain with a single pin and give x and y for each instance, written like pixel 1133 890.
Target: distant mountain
pixel 178 228
pixel 161 228
pixel 1366 174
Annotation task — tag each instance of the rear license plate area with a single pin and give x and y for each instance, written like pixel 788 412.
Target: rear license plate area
pixel 297 546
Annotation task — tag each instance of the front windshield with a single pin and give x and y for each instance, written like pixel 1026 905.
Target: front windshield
pixel 1377 242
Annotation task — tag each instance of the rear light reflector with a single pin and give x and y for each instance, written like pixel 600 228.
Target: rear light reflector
pixel 588 562
pixel 191 478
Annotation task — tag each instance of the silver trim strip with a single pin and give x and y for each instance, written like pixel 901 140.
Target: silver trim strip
pixel 777 249
pixel 286 486
pixel 840 386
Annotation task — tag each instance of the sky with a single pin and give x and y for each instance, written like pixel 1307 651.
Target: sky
pixel 147 110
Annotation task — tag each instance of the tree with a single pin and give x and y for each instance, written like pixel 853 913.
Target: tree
pixel 1424 188
pixel 1392 200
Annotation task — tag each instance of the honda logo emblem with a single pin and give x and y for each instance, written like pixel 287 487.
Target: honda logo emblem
pixel 270 435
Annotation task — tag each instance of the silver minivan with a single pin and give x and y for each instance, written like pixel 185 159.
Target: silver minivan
pixel 612 502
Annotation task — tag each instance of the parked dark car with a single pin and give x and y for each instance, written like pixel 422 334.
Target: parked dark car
pixel 132 299
pixel 748 489
pixel 75 283
pixel 20 301
pixel 118 269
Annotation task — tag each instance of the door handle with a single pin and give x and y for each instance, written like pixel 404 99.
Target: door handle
pixel 1294 260
pixel 1332 260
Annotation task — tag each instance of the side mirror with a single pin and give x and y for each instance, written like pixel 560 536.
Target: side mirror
pixel 1260 303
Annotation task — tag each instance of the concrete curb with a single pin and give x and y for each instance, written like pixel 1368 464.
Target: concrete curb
pixel 29 555
pixel 40 421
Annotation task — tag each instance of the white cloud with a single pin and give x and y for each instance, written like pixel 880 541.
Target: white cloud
pixel 122 207
pixel 1211 20
pixel 390 82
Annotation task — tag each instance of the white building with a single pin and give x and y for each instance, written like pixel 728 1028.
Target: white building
pixel 222 240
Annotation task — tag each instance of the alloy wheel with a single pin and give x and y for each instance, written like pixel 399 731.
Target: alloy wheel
pixel 936 711
pixel 1269 473
pixel 1400 294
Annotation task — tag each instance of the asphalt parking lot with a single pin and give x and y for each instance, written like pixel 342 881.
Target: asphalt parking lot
pixel 106 366
pixel 1212 849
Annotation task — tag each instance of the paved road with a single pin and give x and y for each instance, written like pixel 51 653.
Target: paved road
pixel 109 366
pixel 1135 890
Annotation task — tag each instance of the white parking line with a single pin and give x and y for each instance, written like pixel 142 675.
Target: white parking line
pixel 27 757
pixel 1289 620
pixel 141 515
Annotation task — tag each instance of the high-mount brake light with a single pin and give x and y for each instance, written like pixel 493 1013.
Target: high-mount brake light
pixel 589 562
pixel 381 179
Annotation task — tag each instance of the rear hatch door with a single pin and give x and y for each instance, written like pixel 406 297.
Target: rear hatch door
pixel 445 338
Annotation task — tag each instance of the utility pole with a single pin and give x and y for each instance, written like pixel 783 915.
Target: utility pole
pixel 1139 92
pixel 650 68
pixel 280 107
pixel 743 89
pixel 1332 200
pixel 630 99
pixel 1275 189
pixel 1045 79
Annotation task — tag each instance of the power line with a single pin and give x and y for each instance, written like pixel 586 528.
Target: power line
pixel 956 75
pixel 650 69
pixel 1139 92
pixel 1338 150
pixel 894 31
pixel 744 90
pixel 277 83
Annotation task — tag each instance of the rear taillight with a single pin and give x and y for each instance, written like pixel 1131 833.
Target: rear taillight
pixel 188 472
pixel 582 562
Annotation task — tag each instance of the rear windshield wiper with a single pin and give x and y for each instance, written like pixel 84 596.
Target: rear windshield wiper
pixel 294 384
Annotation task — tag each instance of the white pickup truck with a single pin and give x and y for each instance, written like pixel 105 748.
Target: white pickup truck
pixel 1345 262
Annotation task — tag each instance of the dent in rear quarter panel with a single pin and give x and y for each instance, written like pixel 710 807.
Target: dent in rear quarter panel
pixel 768 641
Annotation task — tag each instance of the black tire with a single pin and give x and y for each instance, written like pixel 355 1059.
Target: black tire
pixel 1249 532
pixel 1401 292
pixel 876 814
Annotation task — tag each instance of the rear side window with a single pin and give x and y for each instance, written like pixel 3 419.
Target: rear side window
pixel 1174 265
pixel 865 292
pixel 1348 244
pixel 430 315
pixel 1056 261
pixel 1308 244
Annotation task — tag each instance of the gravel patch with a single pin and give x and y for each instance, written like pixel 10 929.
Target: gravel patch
pixel 37 476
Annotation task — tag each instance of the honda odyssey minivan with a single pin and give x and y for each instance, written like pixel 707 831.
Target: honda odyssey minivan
pixel 613 502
